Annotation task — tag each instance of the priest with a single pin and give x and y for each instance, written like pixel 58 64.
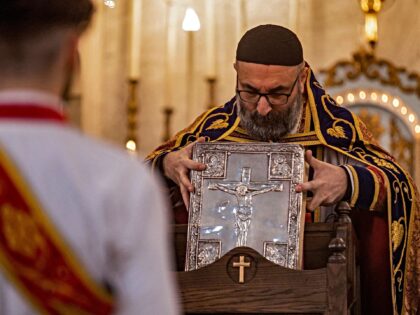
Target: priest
pixel 278 99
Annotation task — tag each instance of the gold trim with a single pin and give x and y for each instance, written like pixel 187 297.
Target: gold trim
pixel 409 241
pixel 300 135
pixel 43 220
pixel 376 192
pixel 336 120
pixel 365 63
pixel 194 125
pixel 230 130
pixel 239 129
pixel 320 156
pixel 314 112
pixel 356 186
pixel 358 130
pixel 389 212
pixel 22 289
pixel 308 119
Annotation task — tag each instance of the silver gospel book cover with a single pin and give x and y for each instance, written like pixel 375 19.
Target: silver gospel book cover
pixel 246 197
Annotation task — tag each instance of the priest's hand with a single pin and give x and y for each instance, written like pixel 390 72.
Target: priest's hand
pixel 177 166
pixel 328 185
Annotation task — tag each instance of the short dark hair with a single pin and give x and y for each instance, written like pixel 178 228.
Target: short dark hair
pixel 31 32
pixel 24 18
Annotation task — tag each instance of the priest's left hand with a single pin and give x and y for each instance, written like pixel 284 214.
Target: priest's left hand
pixel 328 185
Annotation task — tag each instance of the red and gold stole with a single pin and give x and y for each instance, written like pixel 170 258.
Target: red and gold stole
pixel 33 254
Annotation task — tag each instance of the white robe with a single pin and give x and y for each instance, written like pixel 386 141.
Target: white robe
pixel 106 205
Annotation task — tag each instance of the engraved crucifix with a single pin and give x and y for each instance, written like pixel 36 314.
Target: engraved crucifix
pixel 244 191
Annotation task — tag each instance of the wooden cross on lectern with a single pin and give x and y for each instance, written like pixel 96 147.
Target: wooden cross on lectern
pixel 241 265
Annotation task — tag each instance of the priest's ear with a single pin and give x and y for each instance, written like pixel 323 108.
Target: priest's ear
pixel 303 75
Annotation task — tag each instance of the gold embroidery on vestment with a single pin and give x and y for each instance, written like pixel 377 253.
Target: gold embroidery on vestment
pixel 397 234
pixel 337 132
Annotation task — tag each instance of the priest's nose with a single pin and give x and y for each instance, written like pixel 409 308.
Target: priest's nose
pixel 263 107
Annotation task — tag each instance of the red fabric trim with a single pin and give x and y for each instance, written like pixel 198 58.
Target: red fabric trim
pixel 36 261
pixel 30 111
pixel 375 274
pixel 382 194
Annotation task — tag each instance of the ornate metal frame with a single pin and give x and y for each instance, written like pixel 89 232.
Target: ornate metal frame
pixel 216 157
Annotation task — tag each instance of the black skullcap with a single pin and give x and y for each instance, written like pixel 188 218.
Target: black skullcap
pixel 270 45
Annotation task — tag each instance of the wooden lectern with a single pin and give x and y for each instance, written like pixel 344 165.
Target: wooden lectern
pixel 244 282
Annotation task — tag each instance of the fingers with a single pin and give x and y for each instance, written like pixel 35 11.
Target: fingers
pixel 311 160
pixel 308 204
pixel 185 185
pixel 188 148
pixel 193 165
pixel 312 203
pixel 185 196
pixel 304 187
pixel 185 182
pixel 177 166
pixel 308 155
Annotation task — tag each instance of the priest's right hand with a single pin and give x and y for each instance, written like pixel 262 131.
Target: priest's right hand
pixel 177 166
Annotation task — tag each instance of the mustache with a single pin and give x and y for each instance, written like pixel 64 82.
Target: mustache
pixel 272 118
pixel 274 125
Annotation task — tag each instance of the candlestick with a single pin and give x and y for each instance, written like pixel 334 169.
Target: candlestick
pixel 190 24
pixel 190 73
pixel 212 92
pixel 167 111
pixel 132 110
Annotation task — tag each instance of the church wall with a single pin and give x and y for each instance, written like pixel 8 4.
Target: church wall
pixel 91 75
pixel 114 78
pixel 152 73
pixel 329 31
pixel 399 33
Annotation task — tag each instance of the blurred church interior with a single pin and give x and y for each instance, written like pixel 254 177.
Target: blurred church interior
pixel 149 67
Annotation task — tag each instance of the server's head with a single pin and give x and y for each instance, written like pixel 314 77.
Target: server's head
pixel 35 35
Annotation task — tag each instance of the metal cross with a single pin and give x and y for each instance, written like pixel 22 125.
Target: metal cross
pixel 241 265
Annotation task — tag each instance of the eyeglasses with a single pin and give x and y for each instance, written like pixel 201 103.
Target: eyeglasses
pixel 272 98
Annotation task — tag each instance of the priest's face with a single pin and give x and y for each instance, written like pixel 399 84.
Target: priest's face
pixel 270 98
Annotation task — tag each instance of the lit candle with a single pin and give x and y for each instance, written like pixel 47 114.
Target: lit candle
pixel 136 10
pixel 210 39
pixel 190 24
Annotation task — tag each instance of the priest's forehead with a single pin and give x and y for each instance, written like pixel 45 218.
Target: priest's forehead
pixel 270 45
pixel 254 76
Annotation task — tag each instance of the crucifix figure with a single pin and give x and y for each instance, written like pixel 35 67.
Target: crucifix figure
pixel 244 191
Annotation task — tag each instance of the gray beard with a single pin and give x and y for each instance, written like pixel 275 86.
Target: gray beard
pixel 273 126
